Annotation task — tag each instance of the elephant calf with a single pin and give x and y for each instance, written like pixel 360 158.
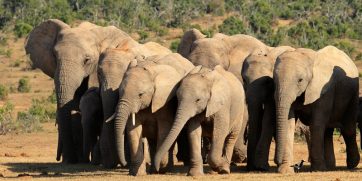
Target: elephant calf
pixel 92 117
pixel 212 103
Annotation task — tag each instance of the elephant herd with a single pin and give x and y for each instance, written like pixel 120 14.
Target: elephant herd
pixel 122 102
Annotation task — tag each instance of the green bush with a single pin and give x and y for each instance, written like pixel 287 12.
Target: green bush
pixel 16 63
pixel 143 35
pixel 24 85
pixel 52 98
pixel 42 109
pixel 6 120
pixel 21 29
pixel 231 26
pixel 4 92
pixel 174 45
pixel 27 123
pixel 358 57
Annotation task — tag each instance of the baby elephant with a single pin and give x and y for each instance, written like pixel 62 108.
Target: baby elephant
pixel 211 103
pixel 92 116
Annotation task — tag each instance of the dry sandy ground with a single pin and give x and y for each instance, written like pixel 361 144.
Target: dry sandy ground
pixel 32 156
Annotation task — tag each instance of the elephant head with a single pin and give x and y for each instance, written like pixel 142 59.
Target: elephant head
pixel 305 75
pixel 146 84
pixel 69 55
pixel 227 51
pixel 202 91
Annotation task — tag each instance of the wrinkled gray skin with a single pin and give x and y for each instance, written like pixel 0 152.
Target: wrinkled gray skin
pixel 227 51
pixel 92 119
pixel 148 92
pixel 212 103
pixel 321 89
pixel 257 73
pixel 112 67
pixel 70 56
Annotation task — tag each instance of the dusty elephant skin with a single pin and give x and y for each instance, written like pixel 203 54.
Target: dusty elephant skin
pixel 112 67
pixel 211 102
pixel 227 51
pixel 321 89
pixel 70 56
pixel 92 116
pixel 147 94
pixel 257 73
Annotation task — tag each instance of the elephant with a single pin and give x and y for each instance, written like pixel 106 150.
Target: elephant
pixel 112 67
pixel 257 73
pixel 92 119
pixel 70 56
pixel 212 103
pixel 227 51
pixel 321 89
pixel 147 92
pixel 360 121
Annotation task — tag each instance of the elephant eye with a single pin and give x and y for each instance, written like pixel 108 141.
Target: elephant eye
pixel 300 80
pixel 140 95
pixel 197 100
pixel 86 60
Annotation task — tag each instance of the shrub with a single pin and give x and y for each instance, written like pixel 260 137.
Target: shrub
pixel 52 98
pixel 42 110
pixel 143 35
pixel 4 92
pixel 231 26
pixel 27 122
pixel 359 56
pixel 21 29
pixel 174 45
pixel 24 85
pixel 6 119
pixel 16 63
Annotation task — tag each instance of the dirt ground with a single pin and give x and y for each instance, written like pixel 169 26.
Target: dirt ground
pixel 32 156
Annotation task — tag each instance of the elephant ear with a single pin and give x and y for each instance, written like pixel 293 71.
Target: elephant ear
pixel 40 43
pixel 166 78
pixel 275 52
pixel 219 92
pixel 187 40
pixel 196 69
pixel 330 63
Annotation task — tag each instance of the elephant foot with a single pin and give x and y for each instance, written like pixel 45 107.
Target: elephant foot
pixel 285 168
pixel 198 171
pixel 315 167
pixel 353 161
pixel 223 169
pixel 261 166
pixel 138 171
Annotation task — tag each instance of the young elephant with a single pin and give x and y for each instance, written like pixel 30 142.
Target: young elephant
pixel 321 89
pixel 112 67
pixel 147 93
pixel 257 73
pixel 92 118
pixel 211 102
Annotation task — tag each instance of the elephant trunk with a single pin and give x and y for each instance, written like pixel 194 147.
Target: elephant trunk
pixel 283 105
pixel 122 114
pixel 180 121
pixel 66 85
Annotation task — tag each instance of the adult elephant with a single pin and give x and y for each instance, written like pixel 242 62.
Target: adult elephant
pixel 257 73
pixel 321 89
pixel 112 67
pixel 360 120
pixel 212 103
pixel 70 56
pixel 147 92
pixel 227 51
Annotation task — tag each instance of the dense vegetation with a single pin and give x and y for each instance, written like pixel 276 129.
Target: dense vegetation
pixel 313 23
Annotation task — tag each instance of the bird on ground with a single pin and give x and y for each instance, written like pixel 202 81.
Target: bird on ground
pixel 299 166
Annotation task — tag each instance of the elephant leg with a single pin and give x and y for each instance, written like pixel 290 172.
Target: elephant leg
pixel 254 129
pixel 229 145
pixel 317 147
pixel 183 147
pixel 194 135
pixel 107 146
pixel 219 134
pixel 328 149
pixel 267 132
pixel 349 133
pixel 138 165
pixel 96 154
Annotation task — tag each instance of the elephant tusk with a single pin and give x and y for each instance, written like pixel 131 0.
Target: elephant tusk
pixel 111 118
pixel 133 119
